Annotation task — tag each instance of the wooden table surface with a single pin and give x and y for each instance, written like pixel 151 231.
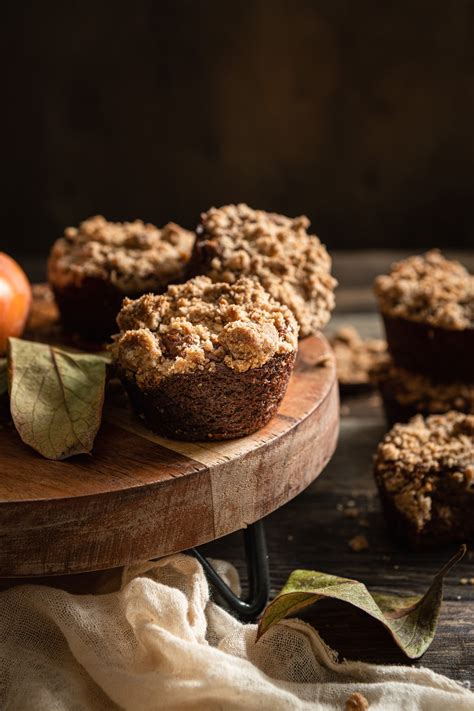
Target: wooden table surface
pixel 312 531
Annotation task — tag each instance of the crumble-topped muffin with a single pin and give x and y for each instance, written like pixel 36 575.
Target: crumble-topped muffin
pixel 206 360
pixel 406 393
pixel 356 357
pixel 428 288
pixel 425 473
pixel 427 304
pixel 292 265
pixel 93 266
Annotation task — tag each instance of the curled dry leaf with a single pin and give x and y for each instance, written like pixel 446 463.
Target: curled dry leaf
pixel 410 620
pixel 56 397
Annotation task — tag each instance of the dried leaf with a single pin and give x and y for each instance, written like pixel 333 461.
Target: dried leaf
pixel 56 397
pixel 410 620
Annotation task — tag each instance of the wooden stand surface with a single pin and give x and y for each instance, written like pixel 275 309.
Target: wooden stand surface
pixel 140 496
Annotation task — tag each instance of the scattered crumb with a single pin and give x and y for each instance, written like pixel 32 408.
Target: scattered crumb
pixel 396 567
pixel 458 597
pixel 339 507
pixel 355 357
pixel 357 702
pixel 290 537
pixel 358 543
pixel 324 360
pixel 351 512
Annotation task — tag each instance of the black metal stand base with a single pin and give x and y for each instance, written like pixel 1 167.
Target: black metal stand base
pixel 252 606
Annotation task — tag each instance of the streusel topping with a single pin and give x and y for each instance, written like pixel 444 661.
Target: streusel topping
pixel 430 289
pixel 292 265
pixel 195 325
pixel 419 391
pixel 134 256
pixel 355 356
pixel 414 457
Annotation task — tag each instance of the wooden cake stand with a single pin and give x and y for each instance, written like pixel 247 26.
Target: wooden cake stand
pixel 140 496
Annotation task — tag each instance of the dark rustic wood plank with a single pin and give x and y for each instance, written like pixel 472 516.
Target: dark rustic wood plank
pixel 312 532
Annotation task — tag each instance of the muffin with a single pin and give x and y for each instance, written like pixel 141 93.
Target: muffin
pixel 356 358
pixel 292 265
pixel 94 266
pixel 406 393
pixel 427 304
pixel 425 474
pixel 205 360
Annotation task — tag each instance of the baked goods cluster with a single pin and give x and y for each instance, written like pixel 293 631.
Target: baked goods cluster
pixel 424 467
pixel 209 321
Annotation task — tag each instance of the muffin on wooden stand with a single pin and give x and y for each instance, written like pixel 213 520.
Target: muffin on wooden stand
pixel 94 266
pixel 204 360
pixel 427 304
pixel 292 265
pixel 425 474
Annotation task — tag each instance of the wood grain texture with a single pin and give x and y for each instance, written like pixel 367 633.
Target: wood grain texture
pixel 140 496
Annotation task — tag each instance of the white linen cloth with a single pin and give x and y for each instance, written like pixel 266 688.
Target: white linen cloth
pixel 160 643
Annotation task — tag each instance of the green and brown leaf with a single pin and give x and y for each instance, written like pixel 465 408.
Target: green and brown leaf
pixel 56 397
pixel 410 620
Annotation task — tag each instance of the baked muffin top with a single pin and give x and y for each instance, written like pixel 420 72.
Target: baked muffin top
pixel 414 456
pixel 430 289
pixel 198 324
pixel 134 256
pixel 415 389
pixel 292 265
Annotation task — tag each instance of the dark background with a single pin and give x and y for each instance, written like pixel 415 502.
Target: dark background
pixel 360 114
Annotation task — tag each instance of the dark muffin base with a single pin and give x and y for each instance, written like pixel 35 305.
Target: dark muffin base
pixel 90 309
pixel 218 405
pixel 438 531
pixel 438 352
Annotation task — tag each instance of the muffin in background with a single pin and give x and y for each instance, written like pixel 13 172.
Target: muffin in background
pixel 292 265
pixel 427 305
pixel 406 393
pixel 206 360
pixel 94 266
pixel 425 475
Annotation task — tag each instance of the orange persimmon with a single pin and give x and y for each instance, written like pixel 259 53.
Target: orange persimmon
pixel 15 300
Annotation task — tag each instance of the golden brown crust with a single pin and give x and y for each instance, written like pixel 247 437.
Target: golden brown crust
pixel 133 256
pixel 292 265
pixel 428 289
pixel 413 458
pixel 194 326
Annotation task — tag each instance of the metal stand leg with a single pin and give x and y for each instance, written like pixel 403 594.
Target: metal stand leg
pixel 258 575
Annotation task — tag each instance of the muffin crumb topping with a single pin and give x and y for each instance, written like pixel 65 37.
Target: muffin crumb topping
pixel 194 326
pixel 292 265
pixel 134 256
pixel 428 288
pixel 415 458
